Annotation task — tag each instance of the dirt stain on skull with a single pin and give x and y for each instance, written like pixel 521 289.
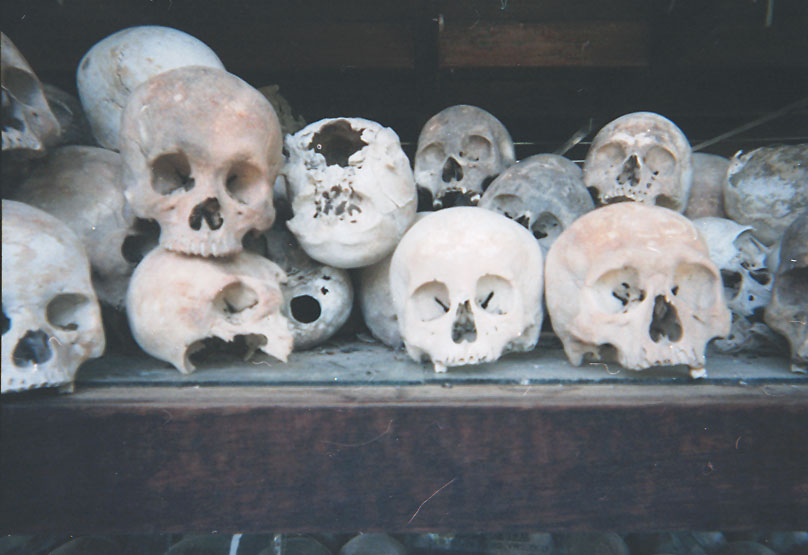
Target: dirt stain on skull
pixel 337 141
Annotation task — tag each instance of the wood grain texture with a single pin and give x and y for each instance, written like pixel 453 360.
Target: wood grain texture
pixel 467 458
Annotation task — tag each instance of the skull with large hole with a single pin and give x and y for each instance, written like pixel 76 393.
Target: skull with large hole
pixel 51 316
pixel 460 151
pixel 466 284
pixel 351 189
pixel 177 303
pixel 545 193
pixel 787 313
pixel 635 283
pixel 641 157
pixel 201 149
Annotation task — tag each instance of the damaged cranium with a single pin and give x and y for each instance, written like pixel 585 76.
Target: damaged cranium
pixel 51 316
pixel 466 286
pixel 29 126
pixel 460 151
pixel 787 313
pixel 201 149
pixel 176 303
pixel 317 299
pixel 351 190
pixel 767 189
pixel 116 65
pixel 635 283
pixel 80 185
pixel 640 157
pixel 545 193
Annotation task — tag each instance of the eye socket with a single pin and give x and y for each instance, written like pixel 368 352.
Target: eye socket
pixel 476 148
pixel 234 299
pixel 619 290
pixel 695 286
pixel 510 206
pixel 171 173
pixel 432 155
pixel 65 311
pixel 546 226
pixel 21 85
pixel 611 154
pixel 431 300
pixel 494 294
pixel 243 183
pixel 659 161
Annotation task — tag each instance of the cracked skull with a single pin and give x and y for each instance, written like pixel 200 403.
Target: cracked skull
pixel 635 283
pixel 640 157
pixel 51 316
pixel 201 149
pixel 351 189
pixel 114 67
pixel 176 303
pixel 545 193
pixel 466 285
pixel 460 151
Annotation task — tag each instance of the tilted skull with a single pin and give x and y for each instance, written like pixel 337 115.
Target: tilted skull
pixel 707 191
pixel 176 302
pixel 635 283
pixel 201 149
pixel 29 125
pixel 51 316
pixel 114 67
pixel 317 299
pixel 767 189
pixel 641 157
pixel 75 129
pixel 741 258
pixel 351 190
pixel 460 151
pixel 80 185
pixel 545 193
pixel 787 313
pixel 466 285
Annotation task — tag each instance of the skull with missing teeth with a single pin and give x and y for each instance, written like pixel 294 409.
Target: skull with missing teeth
pixel 466 285
pixel 201 149
pixel 642 157
pixel 635 283
pixel 460 151
pixel 351 189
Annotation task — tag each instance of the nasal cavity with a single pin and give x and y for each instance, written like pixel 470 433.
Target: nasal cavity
pixel 631 171
pixel 209 211
pixel 665 322
pixel 33 348
pixel 463 328
pixel 452 171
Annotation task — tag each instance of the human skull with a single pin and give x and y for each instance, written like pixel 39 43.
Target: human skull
pixel 201 149
pixel 767 189
pixel 75 129
pixel 787 313
pixel 51 317
pixel 351 190
pixel 317 299
pixel 635 282
pixel 466 285
pixel 545 193
pixel 707 191
pixel 642 157
pixel 176 302
pixel 80 185
pixel 116 65
pixel 741 258
pixel 29 125
pixel 460 151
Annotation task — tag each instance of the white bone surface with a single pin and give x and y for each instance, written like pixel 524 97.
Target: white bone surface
pixel 201 150
pixel 110 70
pixel 177 301
pixel 351 189
pixel 466 285
pixel 49 306
pixel 635 283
